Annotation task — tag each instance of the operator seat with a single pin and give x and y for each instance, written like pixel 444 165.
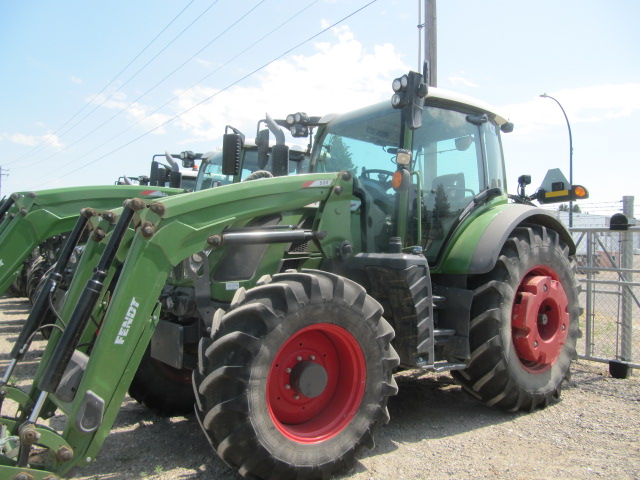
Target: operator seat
pixel 454 189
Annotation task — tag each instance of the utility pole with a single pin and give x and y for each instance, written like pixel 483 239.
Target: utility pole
pixel 430 40
pixel 1 175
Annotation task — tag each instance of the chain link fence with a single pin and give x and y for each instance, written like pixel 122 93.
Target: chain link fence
pixel 608 262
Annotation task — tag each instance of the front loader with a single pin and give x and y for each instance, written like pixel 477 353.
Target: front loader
pixel 30 219
pixel 303 294
pixel 38 222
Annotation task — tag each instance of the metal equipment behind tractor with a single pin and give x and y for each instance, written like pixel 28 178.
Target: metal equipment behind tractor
pixel 291 301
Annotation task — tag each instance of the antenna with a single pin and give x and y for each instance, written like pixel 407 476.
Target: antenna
pixel 420 27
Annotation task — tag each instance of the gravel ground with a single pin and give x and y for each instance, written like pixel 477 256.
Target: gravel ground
pixel 436 431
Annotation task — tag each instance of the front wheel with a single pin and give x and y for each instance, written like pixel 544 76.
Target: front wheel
pixel 296 376
pixel 524 323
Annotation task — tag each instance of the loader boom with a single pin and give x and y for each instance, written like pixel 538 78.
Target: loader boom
pixel 41 215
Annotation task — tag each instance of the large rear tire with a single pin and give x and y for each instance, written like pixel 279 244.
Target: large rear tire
pixel 524 323
pixel 162 388
pixel 296 376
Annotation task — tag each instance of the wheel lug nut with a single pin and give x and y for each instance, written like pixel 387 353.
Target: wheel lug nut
pixel 312 357
pixel 287 386
pixel 288 370
pixel 296 397
pixel 564 327
pixel 299 358
pixel 535 344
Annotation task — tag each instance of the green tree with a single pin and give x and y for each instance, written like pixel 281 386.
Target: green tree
pixel 442 207
pixel 338 156
pixel 565 208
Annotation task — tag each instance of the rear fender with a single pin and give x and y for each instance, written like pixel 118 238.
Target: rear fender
pixel 476 248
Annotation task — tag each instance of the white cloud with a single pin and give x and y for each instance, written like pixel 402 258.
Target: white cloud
pixel 205 63
pixel 339 76
pixel 136 112
pixel 595 103
pixel 32 140
pixel 74 79
pixel 457 81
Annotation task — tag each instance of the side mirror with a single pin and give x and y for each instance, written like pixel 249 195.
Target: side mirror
pixel 280 160
pixel 262 142
pixel 175 179
pixel 463 143
pixel 232 152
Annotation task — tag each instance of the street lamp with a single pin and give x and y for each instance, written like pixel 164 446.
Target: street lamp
pixel 544 95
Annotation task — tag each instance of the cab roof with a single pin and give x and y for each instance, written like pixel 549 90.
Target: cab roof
pixel 436 97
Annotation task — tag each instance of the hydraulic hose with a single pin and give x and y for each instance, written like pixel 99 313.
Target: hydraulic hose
pixel 41 304
pixel 5 206
pixel 82 312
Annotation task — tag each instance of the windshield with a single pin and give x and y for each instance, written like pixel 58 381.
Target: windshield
pixel 365 143
pixel 358 142
pixel 210 173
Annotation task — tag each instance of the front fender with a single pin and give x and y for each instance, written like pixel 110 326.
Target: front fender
pixel 475 247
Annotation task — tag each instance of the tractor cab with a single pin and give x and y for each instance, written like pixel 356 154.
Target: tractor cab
pixel 450 160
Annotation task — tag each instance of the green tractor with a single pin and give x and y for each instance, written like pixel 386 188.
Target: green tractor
pixel 38 222
pixel 41 219
pixel 293 300
pixel 34 225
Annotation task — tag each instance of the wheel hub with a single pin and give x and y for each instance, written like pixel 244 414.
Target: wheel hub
pixel 309 379
pixel 540 319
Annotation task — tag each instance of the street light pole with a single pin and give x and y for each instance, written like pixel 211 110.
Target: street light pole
pixel 544 95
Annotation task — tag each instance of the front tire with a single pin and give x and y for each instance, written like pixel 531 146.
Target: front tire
pixel 524 323
pixel 296 376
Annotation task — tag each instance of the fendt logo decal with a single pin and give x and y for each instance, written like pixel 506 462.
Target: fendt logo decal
pixel 1 263
pixel 128 319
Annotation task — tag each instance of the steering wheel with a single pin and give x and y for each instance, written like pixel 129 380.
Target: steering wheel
pixel 383 180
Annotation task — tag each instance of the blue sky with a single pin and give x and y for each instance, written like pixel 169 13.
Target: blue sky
pixel 84 102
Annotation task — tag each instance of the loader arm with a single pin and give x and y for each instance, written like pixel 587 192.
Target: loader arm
pixel 168 231
pixel 37 216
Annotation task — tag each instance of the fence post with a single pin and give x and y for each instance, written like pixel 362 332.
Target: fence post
pixel 626 262
pixel 589 314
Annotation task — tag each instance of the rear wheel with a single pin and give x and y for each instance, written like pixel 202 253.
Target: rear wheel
pixel 524 323
pixel 296 376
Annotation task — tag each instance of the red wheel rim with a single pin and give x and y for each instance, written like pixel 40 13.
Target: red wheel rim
pixel 318 348
pixel 540 319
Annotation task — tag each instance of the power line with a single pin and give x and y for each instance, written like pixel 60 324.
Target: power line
pixel 2 174
pixel 173 72
pixel 48 140
pixel 253 72
pixel 195 84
